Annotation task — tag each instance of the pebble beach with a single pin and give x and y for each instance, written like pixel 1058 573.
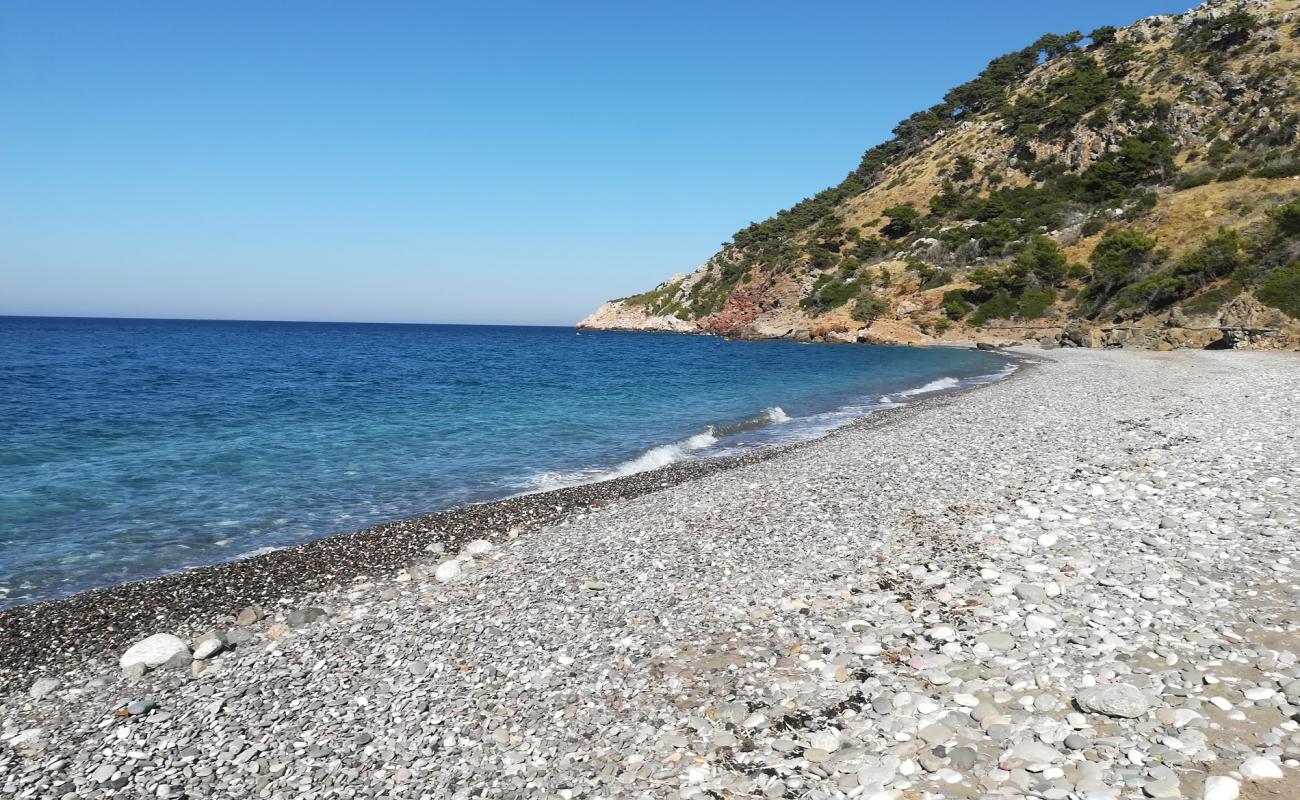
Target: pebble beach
pixel 1080 583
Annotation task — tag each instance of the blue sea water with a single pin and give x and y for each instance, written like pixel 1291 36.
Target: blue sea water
pixel 132 448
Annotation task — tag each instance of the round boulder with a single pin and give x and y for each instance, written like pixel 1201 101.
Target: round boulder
pixel 1113 700
pixel 155 651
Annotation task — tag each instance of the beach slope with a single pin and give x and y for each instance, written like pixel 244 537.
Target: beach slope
pixel 1080 582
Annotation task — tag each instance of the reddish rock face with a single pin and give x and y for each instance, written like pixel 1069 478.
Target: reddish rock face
pixel 742 308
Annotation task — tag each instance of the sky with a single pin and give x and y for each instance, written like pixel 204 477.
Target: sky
pixel 457 162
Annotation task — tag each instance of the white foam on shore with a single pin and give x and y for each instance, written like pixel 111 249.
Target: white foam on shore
pixel 665 454
pixel 726 442
pixel 652 459
pixel 939 385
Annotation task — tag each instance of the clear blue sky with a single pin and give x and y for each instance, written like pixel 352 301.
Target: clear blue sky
pixel 442 161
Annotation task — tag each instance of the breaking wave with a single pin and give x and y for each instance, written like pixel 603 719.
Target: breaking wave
pixel 942 384
pixel 772 426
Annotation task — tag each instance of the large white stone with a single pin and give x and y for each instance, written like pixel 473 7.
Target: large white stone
pixel 447 571
pixel 1113 699
pixel 1221 787
pixel 479 547
pixel 1259 768
pixel 154 651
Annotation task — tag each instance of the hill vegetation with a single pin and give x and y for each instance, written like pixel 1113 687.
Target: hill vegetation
pixel 1140 185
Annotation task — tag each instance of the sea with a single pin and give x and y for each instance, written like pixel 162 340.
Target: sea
pixel 133 448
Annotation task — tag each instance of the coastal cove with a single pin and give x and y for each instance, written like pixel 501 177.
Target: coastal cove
pixel 891 586
pixel 38 637
pixel 137 448
pixel 386 412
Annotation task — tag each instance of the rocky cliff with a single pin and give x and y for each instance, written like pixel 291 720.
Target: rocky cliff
pixel 1134 186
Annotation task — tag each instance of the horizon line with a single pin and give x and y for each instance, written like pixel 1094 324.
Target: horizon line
pixel 284 321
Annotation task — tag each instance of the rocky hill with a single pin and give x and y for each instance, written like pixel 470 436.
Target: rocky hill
pixel 1134 186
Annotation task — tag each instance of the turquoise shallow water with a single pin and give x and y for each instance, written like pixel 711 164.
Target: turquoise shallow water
pixel 131 448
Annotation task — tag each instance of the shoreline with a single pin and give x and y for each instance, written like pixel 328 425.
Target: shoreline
pixel 1082 584
pixel 49 635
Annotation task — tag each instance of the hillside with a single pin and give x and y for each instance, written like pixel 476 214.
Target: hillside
pixel 1134 186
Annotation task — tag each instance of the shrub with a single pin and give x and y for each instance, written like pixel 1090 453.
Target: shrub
pixel 1220 255
pixel 1103 36
pixel 872 247
pixel 1000 306
pixel 657 301
pixel 829 292
pixel 1281 290
pixel 1065 100
pixel 1223 34
pixel 1117 260
pixel 995 235
pixel 1035 302
pixel 934 278
pixel 964 168
pixel 955 304
pixel 1286 218
pixel 1043 260
pixel 1286 169
pixel 1209 301
pixel 1093 227
pixel 1219 151
pixel 1235 172
pixel 1140 159
pixel 1142 206
pixel 1191 180
pixel 869 307
pixel 902 220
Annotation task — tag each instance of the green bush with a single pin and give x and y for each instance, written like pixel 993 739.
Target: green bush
pixel 997 234
pixel 1281 290
pixel 1085 89
pixel 1221 255
pixel 1235 172
pixel 955 304
pixel 872 247
pixel 1140 160
pixel 902 220
pixel 1286 169
pixel 1103 36
pixel 1191 180
pixel 1093 227
pixel 658 301
pixel 1211 300
pixel 1219 151
pixel 869 307
pixel 1117 260
pixel 1035 302
pixel 1286 218
pixel 1000 306
pixel 830 292
pixel 963 169
pixel 934 278
pixel 1217 34
pixel 1043 260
